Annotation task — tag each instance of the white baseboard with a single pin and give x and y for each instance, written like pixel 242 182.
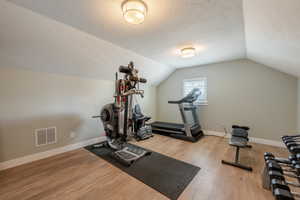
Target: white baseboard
pixel 267 142
pixel 45 154
pixel 215 133
pixel 251 139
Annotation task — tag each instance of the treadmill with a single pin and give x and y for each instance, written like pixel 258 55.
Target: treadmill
pixel 190 130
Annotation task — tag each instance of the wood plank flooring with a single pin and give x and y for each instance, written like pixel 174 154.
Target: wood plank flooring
pixel 82 175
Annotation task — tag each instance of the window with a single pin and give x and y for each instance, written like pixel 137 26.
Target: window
pixel 201 83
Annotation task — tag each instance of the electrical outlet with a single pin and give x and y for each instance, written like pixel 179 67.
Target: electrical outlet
pixel 72 134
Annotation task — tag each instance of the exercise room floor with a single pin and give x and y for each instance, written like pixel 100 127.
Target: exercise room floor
pixel 82 175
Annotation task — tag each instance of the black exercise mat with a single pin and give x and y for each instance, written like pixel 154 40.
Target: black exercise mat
pixel 164 174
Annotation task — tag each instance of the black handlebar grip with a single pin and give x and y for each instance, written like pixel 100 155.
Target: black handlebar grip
pixel 143 80
pixel 124 69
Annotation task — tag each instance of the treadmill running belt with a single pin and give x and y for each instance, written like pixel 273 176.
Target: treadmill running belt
pixel 164 125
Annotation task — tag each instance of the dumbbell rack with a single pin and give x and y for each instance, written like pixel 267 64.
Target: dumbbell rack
pixel 278 171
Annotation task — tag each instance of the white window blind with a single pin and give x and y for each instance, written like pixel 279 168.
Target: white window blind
pixel 201 83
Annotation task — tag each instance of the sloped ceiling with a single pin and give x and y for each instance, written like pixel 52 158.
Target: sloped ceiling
pixel 91 38
pixel 273 33
pixel 214 26
pixel 34 42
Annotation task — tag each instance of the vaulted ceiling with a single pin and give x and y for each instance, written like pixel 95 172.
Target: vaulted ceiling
pixel 215 26
pixel 273 33
pixel 266 31
pixel 34 42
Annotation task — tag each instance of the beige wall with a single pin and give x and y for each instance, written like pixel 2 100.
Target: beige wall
pixel 31 100
pixel 239 92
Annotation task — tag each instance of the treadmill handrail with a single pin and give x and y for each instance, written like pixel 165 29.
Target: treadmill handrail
pixel 174 102
pixel 189 98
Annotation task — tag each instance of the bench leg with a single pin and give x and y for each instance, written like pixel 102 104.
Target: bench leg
pixel 237 154
pixel 236 163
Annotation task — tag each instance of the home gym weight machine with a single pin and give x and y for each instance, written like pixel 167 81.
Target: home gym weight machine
pixel 117 117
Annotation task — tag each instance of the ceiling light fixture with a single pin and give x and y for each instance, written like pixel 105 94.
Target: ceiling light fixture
pixel 188 52
pixel 134 11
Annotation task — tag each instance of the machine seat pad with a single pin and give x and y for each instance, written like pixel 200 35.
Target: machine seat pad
pixel 246 128
pixel 238 141
pixel 239 132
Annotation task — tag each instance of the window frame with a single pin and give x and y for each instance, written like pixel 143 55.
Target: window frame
pixel 201 103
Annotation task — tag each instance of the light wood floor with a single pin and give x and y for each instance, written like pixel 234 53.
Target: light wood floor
pixel 82 175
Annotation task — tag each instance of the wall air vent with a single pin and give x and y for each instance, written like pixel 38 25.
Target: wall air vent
pixel 44 136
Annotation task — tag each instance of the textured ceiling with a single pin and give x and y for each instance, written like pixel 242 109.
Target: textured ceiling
pixel 273 33
pixel 215 27
pixel 34 42
pixel 266 31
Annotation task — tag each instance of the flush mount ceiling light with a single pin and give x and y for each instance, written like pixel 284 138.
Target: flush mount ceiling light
pixel 134 11
pixel 188 52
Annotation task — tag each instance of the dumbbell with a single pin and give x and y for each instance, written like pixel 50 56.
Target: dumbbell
pixel 270 156
pixel 294 168
pixel 291 140
pixel 290 137
pixel 281 194
pixel 293 144
pixel 294 149
pixel 280 176
pixel 292 162
pixel 290 143
pixel 282 191
pixel 273 170
pixel 292 159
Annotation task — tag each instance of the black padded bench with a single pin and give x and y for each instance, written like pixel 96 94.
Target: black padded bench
pixel 239 139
